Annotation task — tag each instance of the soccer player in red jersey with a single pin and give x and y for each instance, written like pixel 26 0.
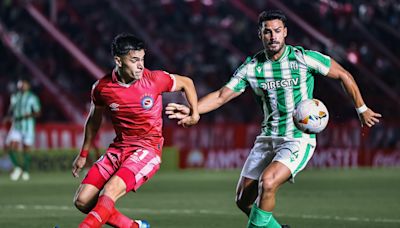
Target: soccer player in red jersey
pixel 132 95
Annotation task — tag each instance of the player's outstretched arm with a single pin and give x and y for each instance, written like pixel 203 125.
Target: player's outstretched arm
pixel 208 103
pixel 366 115
pixel 186 85
pixel 92 125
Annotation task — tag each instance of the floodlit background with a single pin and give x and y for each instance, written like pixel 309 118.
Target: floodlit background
pixel 63 47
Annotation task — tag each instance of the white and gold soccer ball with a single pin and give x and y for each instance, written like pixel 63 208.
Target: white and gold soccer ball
pixel 311 116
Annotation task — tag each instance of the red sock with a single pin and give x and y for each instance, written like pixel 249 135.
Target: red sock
pixel 100 213
pixel 117 219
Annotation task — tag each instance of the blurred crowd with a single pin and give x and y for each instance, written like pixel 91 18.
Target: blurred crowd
pixel 203 39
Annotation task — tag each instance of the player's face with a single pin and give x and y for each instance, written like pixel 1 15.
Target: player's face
pixel 132 64
pixel 22 85
pixel 273 34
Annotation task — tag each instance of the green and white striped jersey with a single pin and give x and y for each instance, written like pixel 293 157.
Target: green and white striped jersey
pixel 279 85
pixel 22 104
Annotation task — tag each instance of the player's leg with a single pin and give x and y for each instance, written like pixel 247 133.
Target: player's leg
pixel 246 194
pixel 272 178
pixel 291 157
pixel 136 169
pixel 27 157
pixel 86 197
pixel 258 159
pixel 28 141
pixel 12 152
pixel 101 213
pixel 88 192
pixel 13 140
pixel 117 219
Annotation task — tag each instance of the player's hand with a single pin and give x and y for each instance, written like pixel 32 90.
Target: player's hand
pixel 369 118
pixel 177 111
pixel 78 165
pixel 190 120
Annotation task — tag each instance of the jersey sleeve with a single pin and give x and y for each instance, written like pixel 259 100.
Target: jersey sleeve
pixel 238 81
pixel 165 81
pixel 317 62
pixel 95 95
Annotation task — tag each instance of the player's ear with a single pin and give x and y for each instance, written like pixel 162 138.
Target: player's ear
pixel 259 33
pixel 118 61
pixel 285 31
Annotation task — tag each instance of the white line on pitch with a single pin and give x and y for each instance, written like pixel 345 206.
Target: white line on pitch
pixel 202 211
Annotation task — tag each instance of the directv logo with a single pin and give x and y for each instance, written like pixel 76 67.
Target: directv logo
pixel 279 83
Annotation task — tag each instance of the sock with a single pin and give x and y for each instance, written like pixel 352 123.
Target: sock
pixel 27 162
pixel 261 219
pixel 13 158
pixel 100 213
pixel 117 219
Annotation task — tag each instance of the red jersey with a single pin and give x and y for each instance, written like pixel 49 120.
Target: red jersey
pixel 135 108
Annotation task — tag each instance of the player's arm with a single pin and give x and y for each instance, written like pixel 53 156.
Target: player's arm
pixel 208 103
pixel 186 85
pixel 92 125
pixel 8 117
pixel 367 116
pixel 216 99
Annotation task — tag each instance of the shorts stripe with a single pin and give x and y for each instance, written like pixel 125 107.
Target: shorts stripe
pixel 304 160
pixel 147 168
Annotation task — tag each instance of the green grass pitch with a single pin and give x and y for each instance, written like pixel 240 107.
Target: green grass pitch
pixel 197 198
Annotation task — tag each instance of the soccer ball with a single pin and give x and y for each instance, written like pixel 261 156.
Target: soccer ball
pixel 311 116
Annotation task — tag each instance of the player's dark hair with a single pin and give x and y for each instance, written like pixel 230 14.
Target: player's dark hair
pixel 123 43
pixel 271 15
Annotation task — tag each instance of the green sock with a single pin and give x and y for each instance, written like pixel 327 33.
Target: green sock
pixel 261 219
pixel 13 157
pixel 27 162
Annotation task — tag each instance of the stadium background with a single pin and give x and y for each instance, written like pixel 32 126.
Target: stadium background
pixel 63 47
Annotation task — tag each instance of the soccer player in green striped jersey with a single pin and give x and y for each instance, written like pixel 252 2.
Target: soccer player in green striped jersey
pixel 24 108
pixel 280 76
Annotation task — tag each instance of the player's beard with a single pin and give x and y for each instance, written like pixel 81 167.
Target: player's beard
pixel 272 50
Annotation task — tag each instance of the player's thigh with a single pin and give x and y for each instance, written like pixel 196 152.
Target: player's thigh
pixel 274 175
pixel 295 154
pixel 246 191
pixel 115 188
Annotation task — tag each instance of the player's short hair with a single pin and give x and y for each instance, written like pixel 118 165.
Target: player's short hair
pixel 23 79
pixel 125 42
pixel 271 15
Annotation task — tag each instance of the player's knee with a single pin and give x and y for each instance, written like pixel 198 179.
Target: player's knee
pixel 268 185
pixel 82 205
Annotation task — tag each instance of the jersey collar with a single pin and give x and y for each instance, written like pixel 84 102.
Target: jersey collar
pixel 114 79
pixel 284 54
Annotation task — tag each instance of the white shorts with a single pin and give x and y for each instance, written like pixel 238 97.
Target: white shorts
pixel 293 153
pixel 26 138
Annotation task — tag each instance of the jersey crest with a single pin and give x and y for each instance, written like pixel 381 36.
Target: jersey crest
pixel 147 102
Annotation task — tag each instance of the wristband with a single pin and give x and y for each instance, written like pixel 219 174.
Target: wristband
pixel 361 109
pixel 84 153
